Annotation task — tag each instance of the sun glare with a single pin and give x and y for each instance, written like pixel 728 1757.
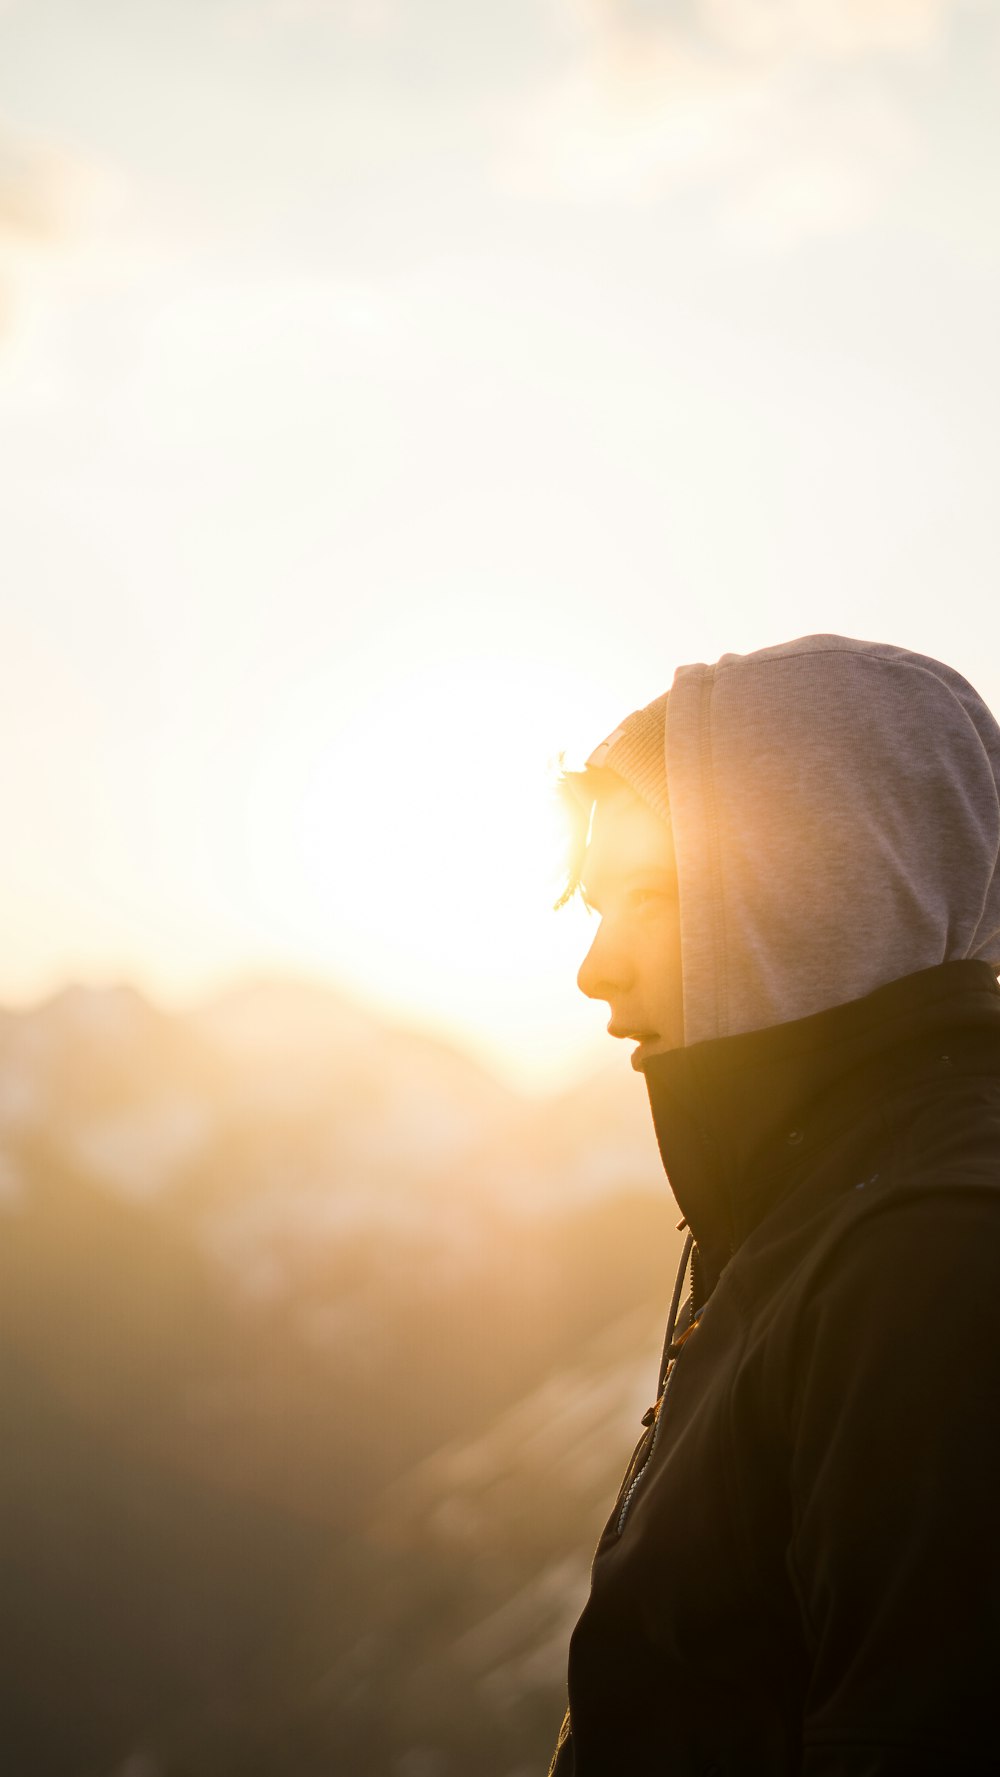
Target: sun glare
pixel 416 849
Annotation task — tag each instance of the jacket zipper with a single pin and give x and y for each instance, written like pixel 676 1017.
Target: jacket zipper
pixel 657 1422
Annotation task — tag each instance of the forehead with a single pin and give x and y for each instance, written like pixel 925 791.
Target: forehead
pixel 626 839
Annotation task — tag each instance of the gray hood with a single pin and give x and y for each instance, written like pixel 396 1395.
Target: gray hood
pixel 836 819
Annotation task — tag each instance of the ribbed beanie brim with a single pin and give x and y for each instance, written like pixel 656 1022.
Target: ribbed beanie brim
pixel 637 752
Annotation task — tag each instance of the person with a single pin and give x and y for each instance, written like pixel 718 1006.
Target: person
pixel 794 856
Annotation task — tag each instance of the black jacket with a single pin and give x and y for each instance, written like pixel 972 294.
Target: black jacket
pixel 801 1573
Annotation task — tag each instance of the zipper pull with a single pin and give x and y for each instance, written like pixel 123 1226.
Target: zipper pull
pixel 672 1350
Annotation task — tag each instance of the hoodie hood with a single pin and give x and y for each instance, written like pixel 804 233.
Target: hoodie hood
pixel 836 820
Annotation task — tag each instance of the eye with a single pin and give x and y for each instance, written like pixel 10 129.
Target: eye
pixel 640 897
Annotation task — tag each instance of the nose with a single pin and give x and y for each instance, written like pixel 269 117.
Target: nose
pixel 604 970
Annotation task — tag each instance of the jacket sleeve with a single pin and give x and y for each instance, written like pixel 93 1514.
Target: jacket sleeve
pixel 895 1546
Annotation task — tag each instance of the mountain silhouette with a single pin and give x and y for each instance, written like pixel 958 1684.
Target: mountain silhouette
pixel 322 1354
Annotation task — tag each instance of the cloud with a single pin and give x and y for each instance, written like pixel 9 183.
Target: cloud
pixel 47 197
pixel 47 192
pixel 819 168
pixel 365 19
pixel 834 30
pixel 785 110
pixel 632 115
pixel 33 192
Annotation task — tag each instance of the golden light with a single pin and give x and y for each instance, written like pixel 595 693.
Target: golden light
pixel 413 848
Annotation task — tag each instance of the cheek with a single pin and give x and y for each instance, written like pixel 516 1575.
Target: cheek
pixel 663 963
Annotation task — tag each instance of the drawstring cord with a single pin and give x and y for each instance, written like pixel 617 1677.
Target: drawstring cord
pixel 670 1346
pixel 675 1306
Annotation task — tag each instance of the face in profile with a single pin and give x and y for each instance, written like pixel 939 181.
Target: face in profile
pixel 629 877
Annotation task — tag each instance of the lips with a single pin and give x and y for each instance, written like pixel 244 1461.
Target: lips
pixel 645 1041
pixel 641 1037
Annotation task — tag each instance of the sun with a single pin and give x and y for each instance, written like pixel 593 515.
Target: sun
pixel 414 848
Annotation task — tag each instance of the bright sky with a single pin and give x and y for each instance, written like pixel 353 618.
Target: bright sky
pixel 394 392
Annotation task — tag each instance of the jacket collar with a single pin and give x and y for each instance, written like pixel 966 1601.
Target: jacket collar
pixel 739 1119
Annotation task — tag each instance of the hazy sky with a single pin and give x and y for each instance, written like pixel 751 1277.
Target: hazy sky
pixel 394 392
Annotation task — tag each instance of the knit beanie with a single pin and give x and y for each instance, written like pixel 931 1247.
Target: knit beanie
pixel 637 752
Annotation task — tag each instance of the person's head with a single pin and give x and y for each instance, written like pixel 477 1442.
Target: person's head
pixel 824 813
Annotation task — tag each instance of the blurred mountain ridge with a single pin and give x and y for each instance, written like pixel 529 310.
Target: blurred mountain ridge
pixel 304 1093
pixel 321 1356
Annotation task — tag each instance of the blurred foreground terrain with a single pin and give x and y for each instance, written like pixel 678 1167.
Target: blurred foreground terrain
pixel 322 1355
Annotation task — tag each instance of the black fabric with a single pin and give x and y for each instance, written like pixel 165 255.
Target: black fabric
pixel 801 1573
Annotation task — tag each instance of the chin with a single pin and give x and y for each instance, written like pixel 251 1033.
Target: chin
pixel 645 1051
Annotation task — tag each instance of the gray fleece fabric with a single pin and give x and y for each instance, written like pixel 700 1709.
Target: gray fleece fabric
pixel 836 818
